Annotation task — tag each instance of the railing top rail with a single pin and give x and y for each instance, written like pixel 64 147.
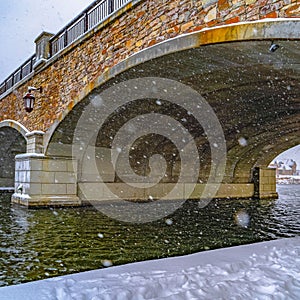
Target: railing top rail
pixel 3 84
pixel 77 18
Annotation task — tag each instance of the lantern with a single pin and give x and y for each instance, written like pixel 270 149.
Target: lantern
pixel 29 98
pixel 29 102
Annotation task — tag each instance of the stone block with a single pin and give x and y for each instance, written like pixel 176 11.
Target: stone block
pixel 156 192
pixel 41 177
pixel 64 177
pixel 177 191
pixel 93 178
pixel 185 27
pixel 35 189
pixel 72 189
pixel 23 176
pixel 92 191
pixel 211 15
pixel 245 190
pixel 72 165
pixel 59 165
pixel 206 3
pixel 248 2
pixel 125 191
pixel 36 165
pixel 54 189
pixel 197 191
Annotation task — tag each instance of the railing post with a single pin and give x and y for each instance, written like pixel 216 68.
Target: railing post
pixel 21 72
pixel 42 49
pixel 50 49
pixel 86 22
pixel 66 38
pixel 110 6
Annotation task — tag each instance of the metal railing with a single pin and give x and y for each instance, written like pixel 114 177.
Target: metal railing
pixel 93 15
pixel 19 74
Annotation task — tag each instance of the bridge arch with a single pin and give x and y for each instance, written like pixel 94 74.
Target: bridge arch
pixel 232 67
pixel 263 30
pixel 16 125
pixel 12 142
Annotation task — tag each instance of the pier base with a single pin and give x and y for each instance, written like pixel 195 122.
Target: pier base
pixel 45 181
pixel 264 180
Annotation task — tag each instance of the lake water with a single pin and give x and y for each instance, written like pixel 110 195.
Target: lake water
pixel 42 243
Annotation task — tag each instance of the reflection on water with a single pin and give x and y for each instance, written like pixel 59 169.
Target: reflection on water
pixel 37 244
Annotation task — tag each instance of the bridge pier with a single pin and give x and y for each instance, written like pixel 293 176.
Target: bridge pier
pixel 44 181
pixel 264 180
pixel 52 181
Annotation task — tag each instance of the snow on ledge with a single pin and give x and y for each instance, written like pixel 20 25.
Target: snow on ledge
pixel 29 155
pixel 267 270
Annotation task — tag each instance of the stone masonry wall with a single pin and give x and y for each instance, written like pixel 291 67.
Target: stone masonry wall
pixel 148 23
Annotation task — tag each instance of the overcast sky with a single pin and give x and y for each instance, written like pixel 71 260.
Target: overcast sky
pixel 21 21
pixel 293 153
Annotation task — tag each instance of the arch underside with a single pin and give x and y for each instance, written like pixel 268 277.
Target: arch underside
pixel 12 143
pixel 254 93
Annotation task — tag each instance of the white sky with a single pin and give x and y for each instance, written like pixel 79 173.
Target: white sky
pixel 293 153
pixel 21 21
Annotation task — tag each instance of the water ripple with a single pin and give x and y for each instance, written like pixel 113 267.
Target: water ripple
pixel 37 244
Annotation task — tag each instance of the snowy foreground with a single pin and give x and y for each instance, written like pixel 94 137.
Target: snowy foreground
pixel 268 270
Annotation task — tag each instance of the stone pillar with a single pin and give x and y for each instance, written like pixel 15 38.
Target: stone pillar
pixel 264 180
pixel 42 51
pixel 45 181
pixel 35 142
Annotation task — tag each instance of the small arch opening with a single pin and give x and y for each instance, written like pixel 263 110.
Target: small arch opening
pixel 12 143
pixel 287 165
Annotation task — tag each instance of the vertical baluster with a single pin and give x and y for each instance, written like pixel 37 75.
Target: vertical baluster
pixel 30 66
pixel 72 33
pixel 110 6
pixel 61 42
pixel 66 38
pixel 50 48
pixel 97 14
pixel 85 22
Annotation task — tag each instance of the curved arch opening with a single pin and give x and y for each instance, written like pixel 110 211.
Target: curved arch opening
pixel 287 165
pixel 12 142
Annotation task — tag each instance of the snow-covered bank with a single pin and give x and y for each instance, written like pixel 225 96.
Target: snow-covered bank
pixel 268 270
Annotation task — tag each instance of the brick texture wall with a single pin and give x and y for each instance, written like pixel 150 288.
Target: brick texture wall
pixel 148 23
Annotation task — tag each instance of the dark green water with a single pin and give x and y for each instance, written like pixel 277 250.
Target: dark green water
pixel 37 244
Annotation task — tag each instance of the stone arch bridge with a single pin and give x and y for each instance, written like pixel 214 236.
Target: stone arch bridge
pixel 207 65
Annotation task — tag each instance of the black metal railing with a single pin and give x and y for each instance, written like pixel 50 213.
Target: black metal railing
pixel 19 74
pixel 93 15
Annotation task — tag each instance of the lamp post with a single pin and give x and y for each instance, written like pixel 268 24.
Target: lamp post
pixel 29 98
